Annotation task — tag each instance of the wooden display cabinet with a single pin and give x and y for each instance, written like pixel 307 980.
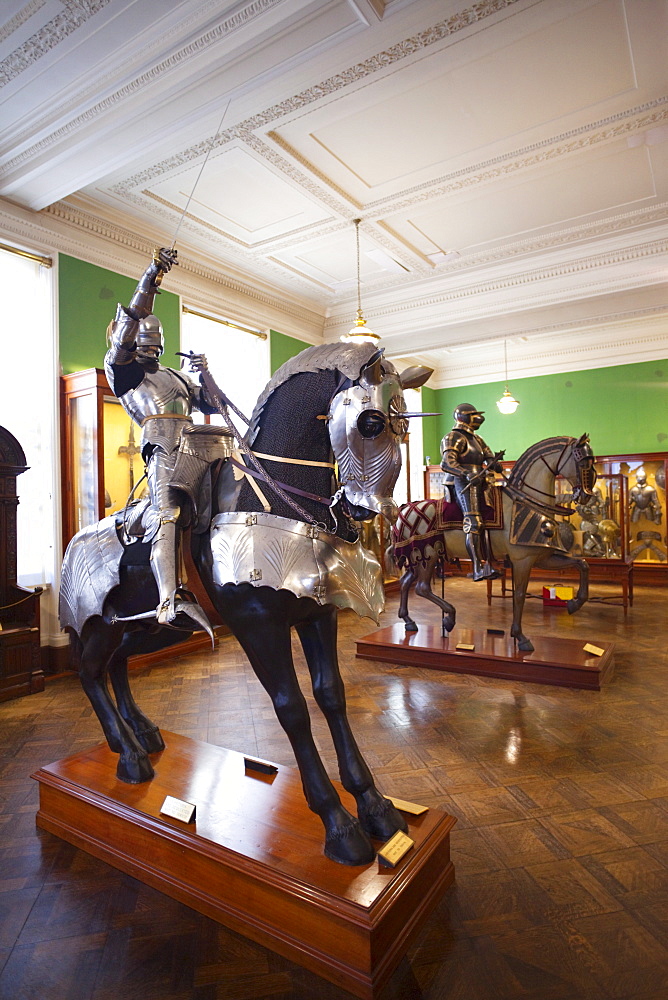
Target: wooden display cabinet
pixel 20 665
pixel 101 464
pixel 101 461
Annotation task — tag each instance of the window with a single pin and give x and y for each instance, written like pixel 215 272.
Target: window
pixel 28 409
pixel 238 361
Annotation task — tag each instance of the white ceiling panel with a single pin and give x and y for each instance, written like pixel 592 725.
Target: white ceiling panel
pixel 464 111
pixel 240 196
pixel 612 180
pixel 332 261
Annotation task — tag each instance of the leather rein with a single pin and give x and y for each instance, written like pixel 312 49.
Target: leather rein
pixel 553 508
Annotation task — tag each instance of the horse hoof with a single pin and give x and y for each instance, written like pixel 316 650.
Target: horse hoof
pixel 448 625
pixel 382 820
pixel 573 605
pixel 410 625
pixel 134 768
pixel 525 645
pixel 150 740
pixel 349 845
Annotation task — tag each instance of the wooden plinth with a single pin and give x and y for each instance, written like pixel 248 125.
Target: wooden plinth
pixel 562 662
pixel 253 857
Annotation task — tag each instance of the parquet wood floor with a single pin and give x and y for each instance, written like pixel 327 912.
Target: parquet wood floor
pixel 560 850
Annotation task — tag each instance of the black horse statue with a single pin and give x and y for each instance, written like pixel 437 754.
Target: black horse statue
pixel 276 550
pixel 521 529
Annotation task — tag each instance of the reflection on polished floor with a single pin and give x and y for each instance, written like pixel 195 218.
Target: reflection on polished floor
pixel 560 849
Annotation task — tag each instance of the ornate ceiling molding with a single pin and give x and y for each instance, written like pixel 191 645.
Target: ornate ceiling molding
pixel 339 81
pixel 76 13
pixel 247 14
pixel 20 18
pixel 90 229
pixel 480 292
pixel 634 120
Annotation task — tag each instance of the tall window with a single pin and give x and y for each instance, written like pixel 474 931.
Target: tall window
pixel 238 361
pixel 413 399
pixel 28 408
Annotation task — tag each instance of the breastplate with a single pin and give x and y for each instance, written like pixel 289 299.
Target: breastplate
pixel 163 391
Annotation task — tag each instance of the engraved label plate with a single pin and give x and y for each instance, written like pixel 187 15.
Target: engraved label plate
pixel 465 646
pixel 596 650
pixel 408 807
pixel 178 809
pixel 256 764
pixel 391 853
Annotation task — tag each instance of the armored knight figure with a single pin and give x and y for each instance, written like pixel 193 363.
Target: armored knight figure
pixel 643 500
pixel 467 461
pixel 160 400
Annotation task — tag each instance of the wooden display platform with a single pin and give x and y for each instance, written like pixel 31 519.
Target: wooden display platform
pixel 252 859
pixel 554 661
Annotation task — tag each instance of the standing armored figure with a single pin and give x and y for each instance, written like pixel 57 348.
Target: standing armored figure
pixel 466 458
pixel 160 400
pixel 643 500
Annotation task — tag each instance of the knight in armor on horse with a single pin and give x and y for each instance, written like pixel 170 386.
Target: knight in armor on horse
pixel 467 461
pixel 160 400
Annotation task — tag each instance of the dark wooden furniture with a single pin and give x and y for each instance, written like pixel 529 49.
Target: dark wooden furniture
pixel 616 571
pixel 20 667
pixel 252 859
pixel 562 662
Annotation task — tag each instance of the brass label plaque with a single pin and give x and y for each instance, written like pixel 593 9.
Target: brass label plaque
pixel 595 650
pixel 466 646
pixel 408 807
pixel 391 853
pixel 178 809
pixel 256 764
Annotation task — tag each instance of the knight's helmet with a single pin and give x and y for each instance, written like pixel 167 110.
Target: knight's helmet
pixel 466 415
pixel 149 333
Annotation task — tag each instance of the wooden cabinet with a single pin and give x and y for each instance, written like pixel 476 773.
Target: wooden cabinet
pixel 20 666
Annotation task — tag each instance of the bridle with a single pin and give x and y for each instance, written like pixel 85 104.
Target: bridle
pixel 581 457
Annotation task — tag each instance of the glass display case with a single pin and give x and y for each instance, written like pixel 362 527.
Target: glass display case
pixel 101 460
pixel 644 506
pixel 598 528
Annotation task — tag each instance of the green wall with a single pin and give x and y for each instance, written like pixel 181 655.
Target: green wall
pixel 624 409
pixel 87 297
pixel 282 348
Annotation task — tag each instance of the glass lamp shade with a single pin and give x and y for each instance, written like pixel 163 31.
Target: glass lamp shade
pixel 360 332
pixel 507 403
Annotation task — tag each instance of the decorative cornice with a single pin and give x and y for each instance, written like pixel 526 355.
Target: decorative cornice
pixel 76 13
pixel 86 223
pixel 506 251
pixel 512 282
pixel 238 20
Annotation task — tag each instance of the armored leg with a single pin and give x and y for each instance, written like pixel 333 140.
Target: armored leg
pixel 474 533
pixel 164 548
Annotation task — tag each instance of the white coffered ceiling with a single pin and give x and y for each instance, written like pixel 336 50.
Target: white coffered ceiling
pixel 508 159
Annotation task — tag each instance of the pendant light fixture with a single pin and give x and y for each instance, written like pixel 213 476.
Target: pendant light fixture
pixel 360 332
pixel 507 403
